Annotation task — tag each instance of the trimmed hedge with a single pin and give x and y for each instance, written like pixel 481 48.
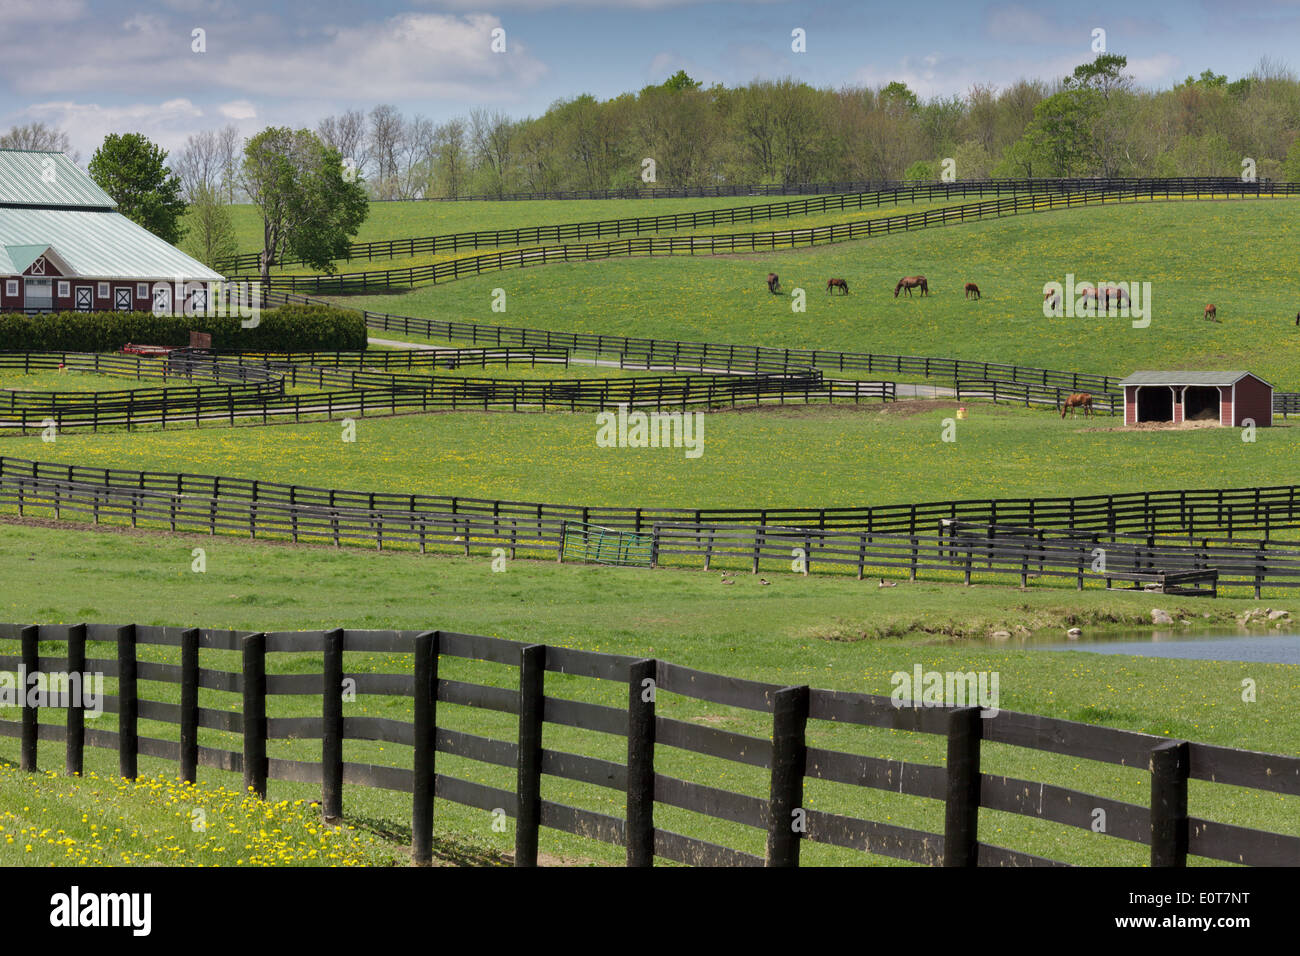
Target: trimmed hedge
pixel 289 328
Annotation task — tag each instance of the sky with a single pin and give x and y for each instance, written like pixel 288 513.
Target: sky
pixel 93 67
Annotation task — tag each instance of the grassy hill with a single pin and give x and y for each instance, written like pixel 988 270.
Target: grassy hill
pixel 1239 255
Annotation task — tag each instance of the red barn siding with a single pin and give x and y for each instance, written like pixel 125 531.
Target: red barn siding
pixel 1254 399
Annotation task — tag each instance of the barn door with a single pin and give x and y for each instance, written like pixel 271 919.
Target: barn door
pixel 85 298
pixel 122 299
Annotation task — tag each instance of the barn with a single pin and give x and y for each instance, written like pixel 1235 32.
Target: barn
pixel 64 246
pixel 1226 397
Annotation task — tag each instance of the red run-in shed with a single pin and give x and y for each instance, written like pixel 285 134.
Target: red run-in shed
pixel 1226 397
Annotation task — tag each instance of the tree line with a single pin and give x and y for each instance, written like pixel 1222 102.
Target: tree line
pixel 1094 122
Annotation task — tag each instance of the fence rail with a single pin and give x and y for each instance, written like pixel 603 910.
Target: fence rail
pixel 798 714
pixel 357 390
pixel 1231 531
pixel 803 189
pixel 363 282
pixel 836 200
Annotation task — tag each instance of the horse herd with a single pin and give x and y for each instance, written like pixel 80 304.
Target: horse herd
pixel 1102 297
pixel 905 284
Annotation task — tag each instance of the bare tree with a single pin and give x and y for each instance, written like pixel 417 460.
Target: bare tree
pixel 198 164
pixel 230 157
pixel 415 157
pixel 386 125
pixel 38 136
pixel 346 133
pixel 451 164
pixel 490 137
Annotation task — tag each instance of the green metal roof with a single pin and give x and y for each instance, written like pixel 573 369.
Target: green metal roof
pixel 95 245
pixel 37 178
pixel 1186 378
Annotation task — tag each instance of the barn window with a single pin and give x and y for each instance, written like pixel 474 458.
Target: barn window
pixel 64 290
pixel 11 287
pixel 103 290
pixel 142 290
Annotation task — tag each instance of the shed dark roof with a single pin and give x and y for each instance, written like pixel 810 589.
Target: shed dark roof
pixel 1188 378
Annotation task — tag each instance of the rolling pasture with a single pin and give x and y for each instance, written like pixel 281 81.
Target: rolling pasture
pixel 1176 246
pixel 825 630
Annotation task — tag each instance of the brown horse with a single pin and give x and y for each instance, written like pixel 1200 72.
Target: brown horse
pixel 773 283
pixel 832 284
pixel 912 282
pixel 1052 299
pixel 1078 400
pixel 972 290
pixel 1116 293
pixel 1211 313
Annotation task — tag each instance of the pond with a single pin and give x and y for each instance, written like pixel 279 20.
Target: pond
pixel 1218 644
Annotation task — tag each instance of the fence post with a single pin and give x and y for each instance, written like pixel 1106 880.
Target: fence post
pixel 189 745
pixel 426 702
pixel 789 756
pixel 30 647
pixel 528 785
pixel 254 682
pixel 76 734
pixel 1169 827
pixel 127 702
pixel 331 791
pixel 962 791
pixel 640 824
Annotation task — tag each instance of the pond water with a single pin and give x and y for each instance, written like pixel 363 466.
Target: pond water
pixel 1219 644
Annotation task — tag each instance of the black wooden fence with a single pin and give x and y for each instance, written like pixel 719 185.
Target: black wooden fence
pixel 884 194
pixel 356 390
pixel 650 722
pixel 1192 512
pixel 1232 531
pixel 641 353
pixel 732 243
pixel 811 189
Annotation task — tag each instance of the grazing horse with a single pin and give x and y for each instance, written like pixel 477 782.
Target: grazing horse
pixel 1116 293
pixel 972 290
pixel 773 283
pixel 912 282
pixel 1078 400
pixel 832 284
pixel 1052 299
pixel 1211 313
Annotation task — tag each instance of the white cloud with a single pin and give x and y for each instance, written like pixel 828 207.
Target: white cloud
pixel 167 123
pixel 408 56
pixel 238 110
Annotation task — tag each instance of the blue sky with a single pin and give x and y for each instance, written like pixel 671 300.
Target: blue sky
pixel 99 66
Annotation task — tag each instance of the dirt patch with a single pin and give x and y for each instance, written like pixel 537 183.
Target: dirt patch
pixel 1157 426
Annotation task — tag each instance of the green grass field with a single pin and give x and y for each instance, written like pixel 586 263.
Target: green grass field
pixel 801 456
pixel 825 631
pixel 378 264
pixel 1176 246
pixel 402 220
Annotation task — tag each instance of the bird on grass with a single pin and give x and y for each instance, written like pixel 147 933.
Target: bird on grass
pixel 764 581
pixel 887 584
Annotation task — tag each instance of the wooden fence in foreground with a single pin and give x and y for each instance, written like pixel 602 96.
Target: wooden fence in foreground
pixel 1166 823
